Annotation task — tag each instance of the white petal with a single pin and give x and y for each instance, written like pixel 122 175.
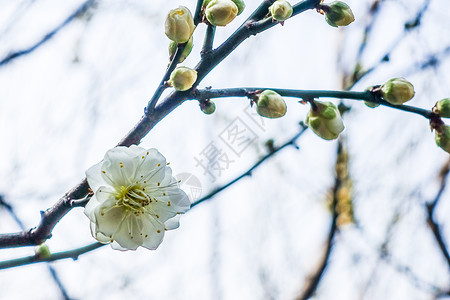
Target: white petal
pixel 98 235
pixel 123 236
pixel 152 168
pixel 94 177
pixel 109 218
pixel 153 232
pixel 119 166
pixel 101 195
pixel 173 223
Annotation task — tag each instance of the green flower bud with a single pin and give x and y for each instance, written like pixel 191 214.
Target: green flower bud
pixel 179 25
pixel 239 3
pixel 371 104
pixel 325 120
pixel 208 107
pixel 182 78
pixel 338 13
pixel 442 137
pixel 397 91
pixel 270 104
pixel 187 49
pixel 42 251
pixel 442 108
pixel 221 12
pixel 281 10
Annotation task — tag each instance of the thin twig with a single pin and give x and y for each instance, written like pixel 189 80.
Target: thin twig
pixel 430 207
pixel 73 254
pixel 79 11
pixel 209 39
pixel 308 94
pixel 52 270
pixel 291 142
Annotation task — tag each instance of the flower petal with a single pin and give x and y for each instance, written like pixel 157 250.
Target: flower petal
pixel 109 217
pixel 124 236
pixel 94 177
pixel 173 223
pixel 119 166
pixel 102 194
pixel 153 232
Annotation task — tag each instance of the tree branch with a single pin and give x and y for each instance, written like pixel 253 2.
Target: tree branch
pixel 291 142
pixel 74 254
pixel 79 11
pixel 150 118
pixel 430 206
pixel 308 94
pixel 313 280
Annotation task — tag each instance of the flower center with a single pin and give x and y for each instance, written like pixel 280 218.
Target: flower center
pixel 133 197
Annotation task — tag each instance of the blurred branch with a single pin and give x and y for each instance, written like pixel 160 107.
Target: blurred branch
pixel 430 207
pixel 341 177
pixel 308 94
pixel 408 27
pixel 151 117
pixel 74 254
pixel 52 271
pixel 79 11
pixel 291 142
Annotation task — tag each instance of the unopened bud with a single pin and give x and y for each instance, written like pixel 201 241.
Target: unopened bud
pixel 442 108
pixel 397 91
pixel 208 107
pixel 179 25
pixel 281 10
pixel 270 104
pixel 442 137
pixel 325 120
pixel 239 3
pixel 338 13
pixel 182 78
pixel 187 49
pixel 371 104
pixel 42 251
pixel 221 12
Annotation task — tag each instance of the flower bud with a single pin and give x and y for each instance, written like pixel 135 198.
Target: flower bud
pixel 442 108
pixel 239 3
pixel 179 25
pixel 325 120
pixel 281 10
pixel 442 137
pixel 371 104
pixel 187 49
pixel 208 107
pixel 221 12
pixel 182 78
pixel 270 104
pixel 42 251
pixel 397 91
pixel 338 13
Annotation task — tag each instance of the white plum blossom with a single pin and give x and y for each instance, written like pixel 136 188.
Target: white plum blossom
pixel 135 199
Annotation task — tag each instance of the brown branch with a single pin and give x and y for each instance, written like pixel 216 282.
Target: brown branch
pixel 151 117
pixel 430 207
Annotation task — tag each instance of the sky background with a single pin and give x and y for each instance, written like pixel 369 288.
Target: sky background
pixel 69 101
